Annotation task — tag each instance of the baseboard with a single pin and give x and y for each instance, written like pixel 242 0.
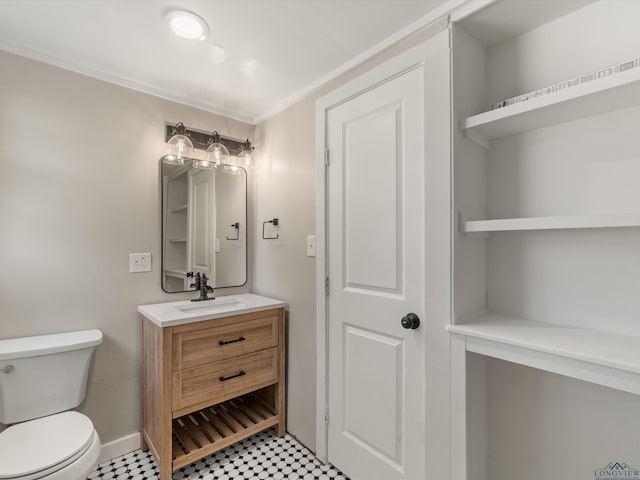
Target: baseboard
pixel 119 447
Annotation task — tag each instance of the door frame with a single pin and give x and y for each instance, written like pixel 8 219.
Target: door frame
pixel 410 59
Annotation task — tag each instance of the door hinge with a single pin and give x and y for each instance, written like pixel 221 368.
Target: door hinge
pixel 326 285
pixel 326 156
pixel 326 414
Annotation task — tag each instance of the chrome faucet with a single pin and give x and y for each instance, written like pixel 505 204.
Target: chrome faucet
pixel 201 285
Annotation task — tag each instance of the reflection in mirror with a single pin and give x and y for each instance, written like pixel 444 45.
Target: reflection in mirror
pixel 204 220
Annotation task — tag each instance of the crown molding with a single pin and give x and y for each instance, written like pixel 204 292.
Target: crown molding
pixel 432 16
pixel 122 81
pixel 446 8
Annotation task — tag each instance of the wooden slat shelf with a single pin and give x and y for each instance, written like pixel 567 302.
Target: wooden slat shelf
pixel 213 428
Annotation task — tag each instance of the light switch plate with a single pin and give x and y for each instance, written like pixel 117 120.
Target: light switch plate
pixel 139 262
pixel 311 246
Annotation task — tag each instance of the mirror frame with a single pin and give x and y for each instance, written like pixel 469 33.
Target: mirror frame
pixel 246 219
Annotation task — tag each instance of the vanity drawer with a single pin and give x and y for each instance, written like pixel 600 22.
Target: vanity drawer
pixel 230 338
pixel 226 379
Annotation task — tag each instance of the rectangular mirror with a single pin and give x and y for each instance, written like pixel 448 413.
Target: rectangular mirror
pixel 204 225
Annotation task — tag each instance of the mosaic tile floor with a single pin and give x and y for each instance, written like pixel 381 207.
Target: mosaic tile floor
pixel 262 456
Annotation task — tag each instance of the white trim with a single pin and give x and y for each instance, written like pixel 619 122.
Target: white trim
pixel 122 81
pixel 321 300
pixel 404 62
pixel 458 408
pixel 407 31
pixel 469 8
pixel 119 447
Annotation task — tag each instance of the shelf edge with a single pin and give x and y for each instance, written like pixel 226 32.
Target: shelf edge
pixel 623 220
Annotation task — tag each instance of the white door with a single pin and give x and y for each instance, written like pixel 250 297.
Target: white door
pixel 201 240
pixel 376 268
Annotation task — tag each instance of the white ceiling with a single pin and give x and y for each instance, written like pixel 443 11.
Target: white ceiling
pixel 277 50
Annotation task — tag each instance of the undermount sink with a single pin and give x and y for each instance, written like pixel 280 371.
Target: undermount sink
pixel 186 311
pixel 212 306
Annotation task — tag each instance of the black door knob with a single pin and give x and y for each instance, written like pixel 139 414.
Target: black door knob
pixel 410 321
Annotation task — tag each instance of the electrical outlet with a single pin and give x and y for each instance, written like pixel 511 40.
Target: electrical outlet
pixel 139 262
pixel 311 246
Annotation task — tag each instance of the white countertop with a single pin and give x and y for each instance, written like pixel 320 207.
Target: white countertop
pixel 167 314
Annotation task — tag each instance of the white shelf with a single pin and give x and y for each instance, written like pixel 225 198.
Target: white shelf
pixel 617 220
pixel 594 356
pixel 617 91
pixel 179 208
pixel 178 239
pixel 175 273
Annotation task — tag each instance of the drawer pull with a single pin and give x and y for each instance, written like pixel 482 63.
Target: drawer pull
pixel 224 379
pixel 225 342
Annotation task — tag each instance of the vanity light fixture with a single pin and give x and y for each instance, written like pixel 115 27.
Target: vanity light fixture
pixel 245 156
pixel 179 146
pixel 217 152
pixel 233 155
pixel 187 24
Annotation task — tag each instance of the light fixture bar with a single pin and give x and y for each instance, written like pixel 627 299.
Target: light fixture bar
pixel 200 139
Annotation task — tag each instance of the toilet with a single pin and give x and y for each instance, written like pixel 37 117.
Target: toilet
pixel 41 379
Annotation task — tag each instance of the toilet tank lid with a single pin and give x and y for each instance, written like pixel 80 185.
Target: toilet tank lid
pixel 13 348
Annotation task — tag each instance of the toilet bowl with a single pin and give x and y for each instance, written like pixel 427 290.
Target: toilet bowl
pixel 64 446
pixel 41 378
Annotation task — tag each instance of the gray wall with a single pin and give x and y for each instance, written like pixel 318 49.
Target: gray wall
pixel 79 191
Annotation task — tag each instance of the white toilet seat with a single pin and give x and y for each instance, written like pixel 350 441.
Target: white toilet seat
pixel 54 447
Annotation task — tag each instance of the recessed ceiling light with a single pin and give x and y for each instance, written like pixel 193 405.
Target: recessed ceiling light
pixel 187 25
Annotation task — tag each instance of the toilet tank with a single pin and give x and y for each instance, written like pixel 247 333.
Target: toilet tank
pixel 44 375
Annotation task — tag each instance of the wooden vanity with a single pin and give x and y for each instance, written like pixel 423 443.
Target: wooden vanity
pixel 208 383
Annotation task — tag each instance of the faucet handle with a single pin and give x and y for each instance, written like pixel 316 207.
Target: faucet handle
pixel 197 279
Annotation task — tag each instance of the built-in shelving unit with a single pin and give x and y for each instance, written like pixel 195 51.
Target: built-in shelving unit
pixel 620 90
pixel 619 220
pixel 560 297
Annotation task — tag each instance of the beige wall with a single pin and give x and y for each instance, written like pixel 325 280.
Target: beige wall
pixel 79 191
pixel 285 188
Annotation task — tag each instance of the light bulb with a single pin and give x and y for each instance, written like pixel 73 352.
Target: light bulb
pixel 178 148
pixel 246 159
pixel 217 153
pixel 187 25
